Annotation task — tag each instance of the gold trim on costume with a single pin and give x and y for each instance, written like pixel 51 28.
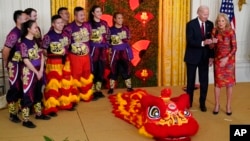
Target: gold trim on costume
pixel 33 53
pixel 17 56
pixel 79 48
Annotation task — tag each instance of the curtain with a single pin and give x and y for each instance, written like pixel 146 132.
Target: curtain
pixel 173 16
pixel 70 4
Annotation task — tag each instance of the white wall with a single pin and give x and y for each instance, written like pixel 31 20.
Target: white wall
pixel 242 35
pixel 7 8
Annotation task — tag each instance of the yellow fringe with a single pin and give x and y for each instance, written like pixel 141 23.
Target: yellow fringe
pixel 54 67
pixel 87 95
pixel 51 102
pixel 144 132
pixel 74 98
pixel 87 81
pixel 66 84
pixel 64 100
pixel 76 83
pixel 67 66
pixel 53 84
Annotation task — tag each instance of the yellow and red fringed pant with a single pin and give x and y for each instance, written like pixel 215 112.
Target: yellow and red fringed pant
pixel 53 72
pixel 82 77
pixel 66 88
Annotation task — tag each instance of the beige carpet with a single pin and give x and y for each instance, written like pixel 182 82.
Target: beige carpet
pixel 93 121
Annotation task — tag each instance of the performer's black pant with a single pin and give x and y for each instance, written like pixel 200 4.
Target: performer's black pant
pixel 15 91
pixel 98 59
pixel 34 94
pixel 120 66
pixel 98 70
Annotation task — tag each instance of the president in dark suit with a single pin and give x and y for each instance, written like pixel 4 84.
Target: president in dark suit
pixel 198 54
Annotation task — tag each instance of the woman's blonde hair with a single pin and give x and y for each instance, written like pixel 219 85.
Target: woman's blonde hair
pixel 225 16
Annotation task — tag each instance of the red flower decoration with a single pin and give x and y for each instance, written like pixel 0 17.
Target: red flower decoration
pixel 144 74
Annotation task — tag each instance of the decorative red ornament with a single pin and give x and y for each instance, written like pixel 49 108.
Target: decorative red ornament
pixel 134 4
pixel 144 17
pixel 137 47
pixel 108 18
pixel 144 74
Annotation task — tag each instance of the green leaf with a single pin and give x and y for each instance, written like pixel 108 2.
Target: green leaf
pixel 47 138
pixel 66 139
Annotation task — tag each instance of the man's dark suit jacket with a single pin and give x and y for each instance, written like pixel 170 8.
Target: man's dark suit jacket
pixel 195 53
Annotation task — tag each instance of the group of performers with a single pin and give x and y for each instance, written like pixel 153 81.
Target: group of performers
pixel 69 61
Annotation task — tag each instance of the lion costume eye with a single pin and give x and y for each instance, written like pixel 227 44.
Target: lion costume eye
pixel 154 112
pixel 187 113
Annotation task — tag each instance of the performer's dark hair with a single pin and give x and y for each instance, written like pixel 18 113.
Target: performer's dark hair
pixel 17 14
pixel 24 28
pixel 77 9
pixel 29 10
pixel 114 16
pixel 55 17
pixel 91 16
pixel 61 9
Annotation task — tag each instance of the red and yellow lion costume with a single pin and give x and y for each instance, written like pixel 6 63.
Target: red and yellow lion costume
pixel 162 118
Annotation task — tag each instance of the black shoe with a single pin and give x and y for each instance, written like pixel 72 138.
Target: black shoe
pixel 53 114
pixel 42 117
pixel 72 108
pixel 95 96
pixel 229 113
pixel 216 112
pixel 14 118
pixel 110 91
pixel 203 108
pixel 29 124
pixel 100 94
pixel 130 89
pixel 74 104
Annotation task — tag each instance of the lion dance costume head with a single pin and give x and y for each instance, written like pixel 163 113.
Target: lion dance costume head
pixel 162 118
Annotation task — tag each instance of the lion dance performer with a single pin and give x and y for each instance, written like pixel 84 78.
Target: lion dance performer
pixel 55 43
pixel 79 34
pixel 32 73
pixel 121 53
pixel 12 58
pixel 99 47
